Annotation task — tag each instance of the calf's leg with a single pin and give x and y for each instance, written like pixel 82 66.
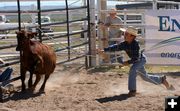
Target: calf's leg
pixel 38 78
pixel 30 80
pixel 23 75
pixel 44 83
pixel 32 69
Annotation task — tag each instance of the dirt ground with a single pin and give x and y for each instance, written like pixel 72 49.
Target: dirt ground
pixel 72 88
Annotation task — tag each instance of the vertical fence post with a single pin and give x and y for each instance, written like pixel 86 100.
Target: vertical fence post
pixel 92 27
pixel 104 31
pixel 19 14
pixel 68 37
pixel 33 16
pixel 143 22
pixel 19 22
pixel 154 4
pixel 39 19
pixel 89 33
pixel 85 27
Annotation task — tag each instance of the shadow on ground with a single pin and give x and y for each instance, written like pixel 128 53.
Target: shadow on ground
pixel 22 96
pixel 114 98
pixel 99 69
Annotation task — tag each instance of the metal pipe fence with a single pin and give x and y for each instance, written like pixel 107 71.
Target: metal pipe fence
pixel 65 26
pixel 70 42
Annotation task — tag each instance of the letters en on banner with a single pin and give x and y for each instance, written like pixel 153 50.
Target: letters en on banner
pixel 162 42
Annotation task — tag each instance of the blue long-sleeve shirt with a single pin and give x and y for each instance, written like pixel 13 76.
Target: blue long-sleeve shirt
pixel 131 49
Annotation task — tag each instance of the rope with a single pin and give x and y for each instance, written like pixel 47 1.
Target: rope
pixel 74 2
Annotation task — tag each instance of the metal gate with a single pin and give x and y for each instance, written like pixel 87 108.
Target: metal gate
pixel 65 27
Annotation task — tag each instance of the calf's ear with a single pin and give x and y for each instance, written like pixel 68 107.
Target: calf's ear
pixel 34 33
pixel 31 34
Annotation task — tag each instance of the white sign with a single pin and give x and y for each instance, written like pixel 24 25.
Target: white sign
pixel 162 45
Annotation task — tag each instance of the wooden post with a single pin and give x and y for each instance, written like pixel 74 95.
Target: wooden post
pixel 104 31
pixel 93 33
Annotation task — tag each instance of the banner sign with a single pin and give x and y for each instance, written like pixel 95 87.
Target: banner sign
pixel 162 42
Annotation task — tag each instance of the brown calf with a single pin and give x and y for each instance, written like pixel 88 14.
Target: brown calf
pixel 37 58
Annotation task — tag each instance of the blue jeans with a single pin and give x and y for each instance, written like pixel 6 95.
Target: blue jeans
pixel 138 67
pixel 6 75
pixel 113 56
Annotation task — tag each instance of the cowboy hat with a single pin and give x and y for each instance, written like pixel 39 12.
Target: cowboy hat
pixel 112 11
pixel 130 30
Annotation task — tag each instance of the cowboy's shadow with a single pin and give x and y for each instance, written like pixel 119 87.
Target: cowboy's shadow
pixel 114 98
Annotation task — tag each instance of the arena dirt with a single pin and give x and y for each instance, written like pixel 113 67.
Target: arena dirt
pixel 72 88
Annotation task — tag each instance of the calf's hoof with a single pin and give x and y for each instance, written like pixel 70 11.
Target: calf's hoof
pixel 41 91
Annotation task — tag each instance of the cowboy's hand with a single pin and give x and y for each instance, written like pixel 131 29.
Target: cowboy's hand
pixel 1 61
pixel 99 51
pixel 125 63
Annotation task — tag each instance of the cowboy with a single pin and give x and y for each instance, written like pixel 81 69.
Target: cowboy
pixel 137 61
pixel 113 23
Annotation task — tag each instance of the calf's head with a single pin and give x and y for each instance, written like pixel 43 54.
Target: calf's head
pixel 22 38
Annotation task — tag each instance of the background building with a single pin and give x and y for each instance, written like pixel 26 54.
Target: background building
pixel 150 4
